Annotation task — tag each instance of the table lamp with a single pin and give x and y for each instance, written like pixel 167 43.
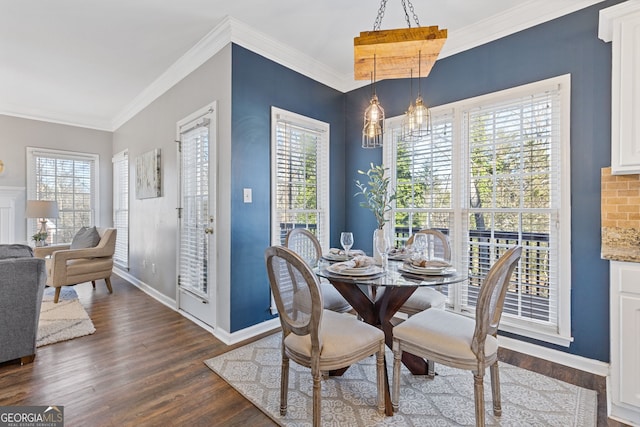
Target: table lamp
pixel 42 209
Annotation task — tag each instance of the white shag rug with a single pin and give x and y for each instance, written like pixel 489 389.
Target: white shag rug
pixel 528 398
pixel 62 321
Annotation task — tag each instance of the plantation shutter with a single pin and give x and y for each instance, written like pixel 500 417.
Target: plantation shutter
pixel 422 176
pixel 194 242
pixel 121 208
pixel 514 199
pixel 300 150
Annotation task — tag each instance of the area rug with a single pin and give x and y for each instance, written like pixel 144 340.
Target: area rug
pixel 528 398
pixel 62 321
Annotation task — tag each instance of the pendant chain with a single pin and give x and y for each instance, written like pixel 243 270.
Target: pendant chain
pixel 383 6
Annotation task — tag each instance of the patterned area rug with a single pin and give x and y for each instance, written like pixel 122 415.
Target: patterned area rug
pixel 62 321
pixel 528 398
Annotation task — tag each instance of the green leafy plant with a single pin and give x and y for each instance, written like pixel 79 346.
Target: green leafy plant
pixel 40 236
pixel 376 193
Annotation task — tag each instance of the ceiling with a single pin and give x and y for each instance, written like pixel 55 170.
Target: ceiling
pixel 88 62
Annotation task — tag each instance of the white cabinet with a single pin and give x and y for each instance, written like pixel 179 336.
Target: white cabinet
pixel 624 380
pixel 620 25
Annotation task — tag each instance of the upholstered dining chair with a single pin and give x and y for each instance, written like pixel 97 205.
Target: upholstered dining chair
pixel 312 336
pixel 304 243
pixel 459 341
pixel 67 267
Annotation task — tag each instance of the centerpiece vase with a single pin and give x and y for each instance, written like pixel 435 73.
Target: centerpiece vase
pixel 378 234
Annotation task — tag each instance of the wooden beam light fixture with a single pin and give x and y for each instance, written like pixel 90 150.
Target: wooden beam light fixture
pixel 397 50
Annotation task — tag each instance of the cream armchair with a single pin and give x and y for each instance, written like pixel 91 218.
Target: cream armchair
pixel 67 267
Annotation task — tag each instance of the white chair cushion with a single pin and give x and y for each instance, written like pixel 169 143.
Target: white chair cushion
pixel 332 299
pixel 444 333
pixel 342 335
pixel 422 299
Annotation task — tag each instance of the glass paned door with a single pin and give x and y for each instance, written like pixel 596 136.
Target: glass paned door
pixel 197 240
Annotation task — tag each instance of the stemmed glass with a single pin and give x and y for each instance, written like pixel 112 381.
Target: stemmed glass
pixel 346 240
pixel 420 244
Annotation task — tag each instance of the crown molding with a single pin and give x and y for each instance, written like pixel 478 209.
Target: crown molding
pixel 526 15
pixel 286 56
pixel 227 31
pixel 207 47
pixel 60 119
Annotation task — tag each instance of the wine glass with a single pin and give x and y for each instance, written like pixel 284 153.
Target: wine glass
pixel 419 244
pixel 346 240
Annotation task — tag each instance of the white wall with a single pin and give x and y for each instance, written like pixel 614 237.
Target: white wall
pixel 16 134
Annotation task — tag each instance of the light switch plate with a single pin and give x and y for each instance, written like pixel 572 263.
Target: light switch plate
pixel 247 194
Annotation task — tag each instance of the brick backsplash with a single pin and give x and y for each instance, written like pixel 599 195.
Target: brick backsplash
pixel 620 200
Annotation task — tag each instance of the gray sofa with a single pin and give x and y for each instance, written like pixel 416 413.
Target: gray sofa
pixel 22 281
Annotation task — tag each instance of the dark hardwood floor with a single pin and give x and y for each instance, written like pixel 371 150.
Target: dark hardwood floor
pixel 144 367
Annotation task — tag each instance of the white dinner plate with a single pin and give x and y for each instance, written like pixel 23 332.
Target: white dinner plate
pixel 340 257
pixel 334 257
pixel 428 271
pixel 362 271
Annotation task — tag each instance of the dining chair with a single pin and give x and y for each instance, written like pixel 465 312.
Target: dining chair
pixel 424 297
pixel 304 243
pixel 312 336
pixel 459 341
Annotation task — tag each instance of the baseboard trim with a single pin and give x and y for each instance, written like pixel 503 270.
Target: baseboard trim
pixel 247 333
pixel 153 293
pixel 571 360
pixel 228 338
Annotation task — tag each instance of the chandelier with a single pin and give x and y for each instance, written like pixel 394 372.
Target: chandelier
pixel 393 54
pixel 373 129
pixel 416 123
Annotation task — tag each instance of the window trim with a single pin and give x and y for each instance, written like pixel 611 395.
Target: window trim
pixel 563 227
pixel 76 155
pixel 278 114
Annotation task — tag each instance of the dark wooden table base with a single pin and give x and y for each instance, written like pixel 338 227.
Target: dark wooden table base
pixel 378 310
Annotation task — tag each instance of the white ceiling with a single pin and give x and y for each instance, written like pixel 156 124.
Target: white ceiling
pixel 87 62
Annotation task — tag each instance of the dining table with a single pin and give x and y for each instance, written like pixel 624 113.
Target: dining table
pixel 377 297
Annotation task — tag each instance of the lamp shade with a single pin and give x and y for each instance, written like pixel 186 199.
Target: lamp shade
pixel 42 209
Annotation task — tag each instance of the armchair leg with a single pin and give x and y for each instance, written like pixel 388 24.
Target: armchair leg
pixel 93 282
pixel 108 281
pixel 27 359
pixel 56 297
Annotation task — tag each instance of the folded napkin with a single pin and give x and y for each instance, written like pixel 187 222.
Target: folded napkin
pixel 398 251
pixel 360 261
pixel 421 261
pixel 338 252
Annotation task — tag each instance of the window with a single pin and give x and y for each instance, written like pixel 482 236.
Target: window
pixel 494 173
pixel 69 178
pixel 299 175
pixel 121 207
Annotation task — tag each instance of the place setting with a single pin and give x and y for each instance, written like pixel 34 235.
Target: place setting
pixel 344 254
pixel 353 263
pixel 422 262
pixel 424 267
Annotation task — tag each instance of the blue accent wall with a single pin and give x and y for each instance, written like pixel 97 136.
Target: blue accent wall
pixel 568 44
pixel 257 84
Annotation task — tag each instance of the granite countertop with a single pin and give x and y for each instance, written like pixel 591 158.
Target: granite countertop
pixel 620 244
